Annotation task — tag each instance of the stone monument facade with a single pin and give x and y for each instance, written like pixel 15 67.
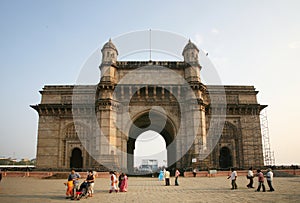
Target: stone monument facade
pixel 68 136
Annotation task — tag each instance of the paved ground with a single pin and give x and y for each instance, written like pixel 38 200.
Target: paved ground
pixel 17 189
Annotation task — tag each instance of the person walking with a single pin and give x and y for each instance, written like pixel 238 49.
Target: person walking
pixel 250 176
pixel 177 173
pixel 167 177
pixel 270 179
pixel 121 177
pixel 124 183
pixel 233 178
pixel 90 179
pixel 74 176
pixel 161 175
pixel 261 179
pixel 113 182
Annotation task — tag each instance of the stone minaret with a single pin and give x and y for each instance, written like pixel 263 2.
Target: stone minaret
pixel 109 58
pixel 190 54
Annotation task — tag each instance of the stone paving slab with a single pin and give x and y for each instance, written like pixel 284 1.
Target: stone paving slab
pixel 199 189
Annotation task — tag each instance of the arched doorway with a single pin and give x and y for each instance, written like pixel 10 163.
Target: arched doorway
pixel 150 152
pixel 225 158
pixel 143 123
pixel 76 158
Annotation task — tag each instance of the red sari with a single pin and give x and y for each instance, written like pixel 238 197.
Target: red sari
pixel 124 184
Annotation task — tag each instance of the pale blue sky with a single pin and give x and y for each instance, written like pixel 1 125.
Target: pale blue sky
pixel 250 42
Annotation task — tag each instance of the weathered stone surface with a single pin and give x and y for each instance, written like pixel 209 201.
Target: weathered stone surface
pixel 66 124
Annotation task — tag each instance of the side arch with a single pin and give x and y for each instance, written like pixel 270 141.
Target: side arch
pixel 73 153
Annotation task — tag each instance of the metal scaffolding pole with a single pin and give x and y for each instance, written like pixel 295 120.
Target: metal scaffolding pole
pixel 269 158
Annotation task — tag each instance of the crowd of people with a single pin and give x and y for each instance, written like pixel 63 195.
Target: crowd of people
pixel 164 175
pixel 118 185
pixel 250 176
pixel 75 190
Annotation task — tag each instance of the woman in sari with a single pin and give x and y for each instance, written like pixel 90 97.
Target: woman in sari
pixel 124 183
pixel 161 175
pixel 113 182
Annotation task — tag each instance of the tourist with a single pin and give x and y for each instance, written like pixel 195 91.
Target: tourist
pixel 124 183
pixel 113 182
pixel 270 179
pixel 260 176
pixel 177 173
pixel 194 172
pixel 161 175
pixel 90 179
pixel 250 176
pixel 70 186
pixel 73 176
pixel 233 178
pixel 167 178
pixel 120 180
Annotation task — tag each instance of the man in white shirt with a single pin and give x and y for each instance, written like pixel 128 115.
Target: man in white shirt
pixel 270 179
pixel 250 176
pixel 167 178
pixel 233 177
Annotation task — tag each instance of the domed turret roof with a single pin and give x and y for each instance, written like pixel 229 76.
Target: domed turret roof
pixel 190 45
pixel 109 45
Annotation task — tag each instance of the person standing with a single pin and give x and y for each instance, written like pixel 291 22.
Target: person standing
pixel 113 182
pixel 121 176
pixel 0 175
pixel 161 175
pixel 177 173
pixel 124 184
pixel 167 177
pixel 75 178
pixel 90 179
pixel 250 176
pixel 260 176
pixel 233 178
pixel 194 172
pixel 270 179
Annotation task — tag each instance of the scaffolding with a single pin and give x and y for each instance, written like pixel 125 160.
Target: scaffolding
pixel 269 159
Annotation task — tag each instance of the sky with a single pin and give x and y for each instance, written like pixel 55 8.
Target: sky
pixel 250 43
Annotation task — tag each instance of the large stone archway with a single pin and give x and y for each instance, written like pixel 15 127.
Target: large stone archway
pixel 188 130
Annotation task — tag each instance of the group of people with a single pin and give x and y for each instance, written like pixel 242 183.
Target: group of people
pixel 114 185
pixel 250 176
pixel 165 175
pixel 75 190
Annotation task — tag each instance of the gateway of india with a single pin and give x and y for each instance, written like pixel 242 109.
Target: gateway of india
pixel 70 117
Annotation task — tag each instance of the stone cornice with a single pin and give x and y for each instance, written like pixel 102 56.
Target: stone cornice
pixel 234 109
pixel 155 64
pixel 63 109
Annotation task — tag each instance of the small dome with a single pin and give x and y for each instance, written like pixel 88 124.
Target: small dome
pixel 109 45
pixel 190 45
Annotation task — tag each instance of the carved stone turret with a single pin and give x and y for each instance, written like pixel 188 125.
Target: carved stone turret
pixel 190 54
pixel 109 58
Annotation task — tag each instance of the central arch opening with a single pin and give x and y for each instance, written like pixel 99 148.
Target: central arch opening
pixel 150 153
pixel 150 133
